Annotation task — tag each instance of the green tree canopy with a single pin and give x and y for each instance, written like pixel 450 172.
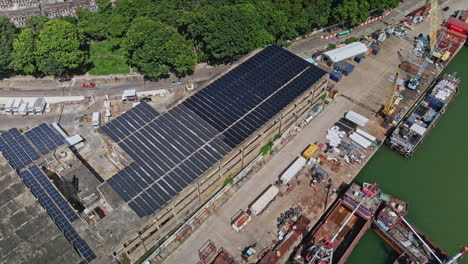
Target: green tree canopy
pixel 384 4
pixel 156 49
pixel 8 33
pixel 92 25
pixel 59 49
pixel 233 31
pixel 117 25
pixel 36 23
pixel 352 12
pixel 24 48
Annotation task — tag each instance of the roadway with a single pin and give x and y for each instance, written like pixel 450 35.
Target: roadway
pixel 116 84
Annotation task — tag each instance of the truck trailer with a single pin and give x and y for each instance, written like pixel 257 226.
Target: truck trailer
pixel 264 200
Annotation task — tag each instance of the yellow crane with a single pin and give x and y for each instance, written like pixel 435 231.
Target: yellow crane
pixel 434 42
pixel 434 22
pixel 388 107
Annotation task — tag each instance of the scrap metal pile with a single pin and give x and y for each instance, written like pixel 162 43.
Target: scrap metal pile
pixel 287 219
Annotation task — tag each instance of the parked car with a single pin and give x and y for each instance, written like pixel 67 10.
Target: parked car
pixel 174 83
pixel 89 85
pixel 146 99
pixel 446 9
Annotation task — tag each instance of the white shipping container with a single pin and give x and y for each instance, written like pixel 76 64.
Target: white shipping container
pixel 356 118
pixel 39 105
pixel 360 140
pixel 31 107
pixel 96 119
pixel 9 105
pixel 16 105
pixel 418 129
pixel 366 135
pixel 23 109
pixel 293 169
pixel 264 200
pixel 48 108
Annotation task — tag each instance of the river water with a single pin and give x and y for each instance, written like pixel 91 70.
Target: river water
pixel 434 181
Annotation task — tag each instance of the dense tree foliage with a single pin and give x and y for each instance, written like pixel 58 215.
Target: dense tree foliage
pixel 24 52
pixel 60 44
pixel 156 49
pixel 8 33
pixel 232 31
pixel 57 49
pixel 163 36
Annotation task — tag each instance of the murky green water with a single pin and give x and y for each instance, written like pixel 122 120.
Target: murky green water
pixel 434 181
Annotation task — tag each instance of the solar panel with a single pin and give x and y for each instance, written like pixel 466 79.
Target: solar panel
pixel 10 156
pixel 53 134
pixel 171 150
pixel 34 183
pixel 16 148
pixel 54 194
pixel 24 144
pixel 44 138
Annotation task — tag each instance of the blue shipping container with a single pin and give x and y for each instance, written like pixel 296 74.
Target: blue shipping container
pixel 335 76
pixel 358 58
pixel 343 67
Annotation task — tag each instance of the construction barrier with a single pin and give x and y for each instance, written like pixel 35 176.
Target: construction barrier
pixel 370 20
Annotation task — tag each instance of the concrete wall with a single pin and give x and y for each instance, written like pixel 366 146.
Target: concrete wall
pixel 195 195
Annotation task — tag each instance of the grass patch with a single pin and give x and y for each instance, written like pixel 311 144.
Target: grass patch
pixel 105 48
pixel 350 40
pixel 108 65
pixel 266 149
pixel 277 136
pixel 228 181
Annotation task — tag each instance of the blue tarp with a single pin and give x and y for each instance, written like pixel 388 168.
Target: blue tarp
pixel 358 58
pixel 335 76
pixel 344 67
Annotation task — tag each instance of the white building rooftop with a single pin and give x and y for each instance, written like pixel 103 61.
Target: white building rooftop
pixel 346 52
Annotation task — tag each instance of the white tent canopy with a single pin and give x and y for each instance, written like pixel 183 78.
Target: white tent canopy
pixel 346 52
pixel 356 118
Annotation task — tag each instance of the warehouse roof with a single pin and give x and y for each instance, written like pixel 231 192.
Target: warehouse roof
pixel 172 149
pixel 346 52
pixel 27 233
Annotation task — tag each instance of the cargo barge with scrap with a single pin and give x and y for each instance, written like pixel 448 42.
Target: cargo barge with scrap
pixel 415 127
pixel 405 239
pixel 333 239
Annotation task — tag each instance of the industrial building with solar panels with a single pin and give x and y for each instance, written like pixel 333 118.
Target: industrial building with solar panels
pixel 170 164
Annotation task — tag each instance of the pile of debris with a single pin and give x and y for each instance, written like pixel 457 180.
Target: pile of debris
pixel 318 174
pixel 286 221
pixel 335 136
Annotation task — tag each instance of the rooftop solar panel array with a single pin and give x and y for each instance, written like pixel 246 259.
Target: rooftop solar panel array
pixel 19 152
pixel 171 150
pixel 45 138
pixel 58 209
pixel 16 149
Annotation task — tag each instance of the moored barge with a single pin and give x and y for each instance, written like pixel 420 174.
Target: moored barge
pixel 333 239
pixel 415 127
pixel 405 239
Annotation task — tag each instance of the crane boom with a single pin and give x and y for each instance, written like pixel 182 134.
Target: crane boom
pixel 434 42
pixel 457 256
pixel 434 23
pixel 420 238
pixel 391 96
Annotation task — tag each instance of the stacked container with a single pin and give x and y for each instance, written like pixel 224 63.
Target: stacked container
pixel 358 58
pixel 335 76
pixel 344 67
